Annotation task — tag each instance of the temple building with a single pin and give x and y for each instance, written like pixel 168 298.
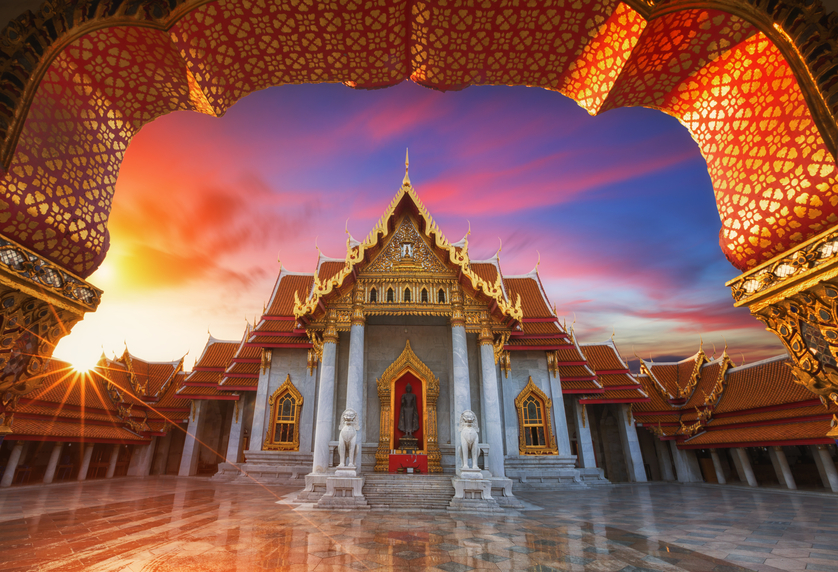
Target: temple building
pixel 407 363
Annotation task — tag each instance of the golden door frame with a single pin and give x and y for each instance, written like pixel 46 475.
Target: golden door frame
pixel 408 362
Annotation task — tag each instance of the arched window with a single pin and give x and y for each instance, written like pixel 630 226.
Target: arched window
pixel 373 295
pixel 284 429
pixel 390 296
pixel 535 432
pixel 424 294
pixel 441 296
pixel 406 295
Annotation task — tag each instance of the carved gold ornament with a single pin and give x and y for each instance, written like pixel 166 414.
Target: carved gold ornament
pixel 408 362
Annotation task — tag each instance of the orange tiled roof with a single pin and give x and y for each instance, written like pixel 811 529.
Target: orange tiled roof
pixel 217 354
pixel 533 300
pixel 746 386
pixel 328 268
pixel 485 270
pixel 60 430
pixel 191 392
pixel 800 432
pixel 282 298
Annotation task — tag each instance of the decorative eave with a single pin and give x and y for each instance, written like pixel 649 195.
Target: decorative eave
pixel 356 253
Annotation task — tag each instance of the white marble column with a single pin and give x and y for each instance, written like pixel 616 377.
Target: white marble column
pixel 260 411
pixel 631 444
pixel 52 464
pixel 355 372
pixel 11 465
pixel 161 457
pixel 85 462
pixel 785 469
pixel 462 390
pixel 112 462
pixel 686 464
pixel 325 404
pixel 745 463
pixel 492 430
pixel 140 464
pixel 559 420
pixel 235 442
pixel 717 465
pixel 191 446
pixel 664 460
pixel 584 442
pixel 831 480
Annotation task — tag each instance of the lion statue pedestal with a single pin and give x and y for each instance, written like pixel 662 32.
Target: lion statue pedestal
pixel 344 488
pixel 472 492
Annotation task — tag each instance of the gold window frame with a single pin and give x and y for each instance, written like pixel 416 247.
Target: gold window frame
pixel 550 448
pixel 273 401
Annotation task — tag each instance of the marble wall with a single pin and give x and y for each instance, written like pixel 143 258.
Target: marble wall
pixel 430 339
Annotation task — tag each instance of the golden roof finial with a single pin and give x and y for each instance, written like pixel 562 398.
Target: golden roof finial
pixel 406 180
pixel 613 332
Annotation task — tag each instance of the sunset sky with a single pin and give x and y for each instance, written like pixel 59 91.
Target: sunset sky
pixel 619 206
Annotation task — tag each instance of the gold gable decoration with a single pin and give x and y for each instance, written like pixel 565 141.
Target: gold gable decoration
pixel 408 361
pixel 550 446
pixel 274 402
pixel 458 256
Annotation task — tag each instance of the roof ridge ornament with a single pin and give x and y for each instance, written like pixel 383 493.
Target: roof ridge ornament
pixel 406 180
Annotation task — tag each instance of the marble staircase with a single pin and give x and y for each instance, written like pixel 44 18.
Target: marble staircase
pixel 402 491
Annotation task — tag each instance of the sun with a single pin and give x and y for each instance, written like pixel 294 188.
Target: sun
pixel 83 363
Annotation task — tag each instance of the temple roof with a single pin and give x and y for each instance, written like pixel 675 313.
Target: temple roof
pixel 331 276
pixel 74 406
pixel 243 371
pixel 619 386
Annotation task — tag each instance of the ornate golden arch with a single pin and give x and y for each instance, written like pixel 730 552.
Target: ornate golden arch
pixel 408 362
pixel 273 401
pixel 550 448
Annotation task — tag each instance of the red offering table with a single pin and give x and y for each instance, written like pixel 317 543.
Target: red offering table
pixel 419 461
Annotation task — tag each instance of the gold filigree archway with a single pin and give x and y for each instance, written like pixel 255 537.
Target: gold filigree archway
pixel 408 362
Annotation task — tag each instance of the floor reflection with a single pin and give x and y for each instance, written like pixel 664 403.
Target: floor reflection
pixel 164 524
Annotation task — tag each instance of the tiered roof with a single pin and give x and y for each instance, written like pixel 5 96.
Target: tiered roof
pixel 618 384
pixel 211 371
pixel 242 374
pixel 72 406
pixel 762 405
pixel 681 394
pixel 145 392
pixel 278 328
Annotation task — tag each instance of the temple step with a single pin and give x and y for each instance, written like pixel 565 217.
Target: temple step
pixel 418 492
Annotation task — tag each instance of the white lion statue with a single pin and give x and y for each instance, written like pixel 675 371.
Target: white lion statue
pixel 349 428
pixel 468 438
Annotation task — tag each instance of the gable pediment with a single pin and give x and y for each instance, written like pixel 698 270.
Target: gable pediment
pixel 407 251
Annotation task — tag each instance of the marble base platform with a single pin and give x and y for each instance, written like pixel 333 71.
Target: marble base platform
pixel 555 472
pixel 315 487
pixel 227 472
pixel 501 488
pixel 274 467
pixel 343 493
pixel 472 494
pixel 593 476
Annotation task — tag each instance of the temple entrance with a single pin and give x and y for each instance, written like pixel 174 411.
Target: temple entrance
pixel 408 392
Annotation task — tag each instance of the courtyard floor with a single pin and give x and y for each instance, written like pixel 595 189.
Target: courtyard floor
pixel 161 524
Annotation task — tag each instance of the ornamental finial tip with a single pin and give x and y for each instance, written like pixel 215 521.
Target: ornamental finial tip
pixel 406 180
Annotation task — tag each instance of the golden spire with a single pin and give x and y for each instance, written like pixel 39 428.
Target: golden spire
pixel 406 180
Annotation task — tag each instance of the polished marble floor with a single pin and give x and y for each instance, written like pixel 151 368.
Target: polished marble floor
pixel 162 524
